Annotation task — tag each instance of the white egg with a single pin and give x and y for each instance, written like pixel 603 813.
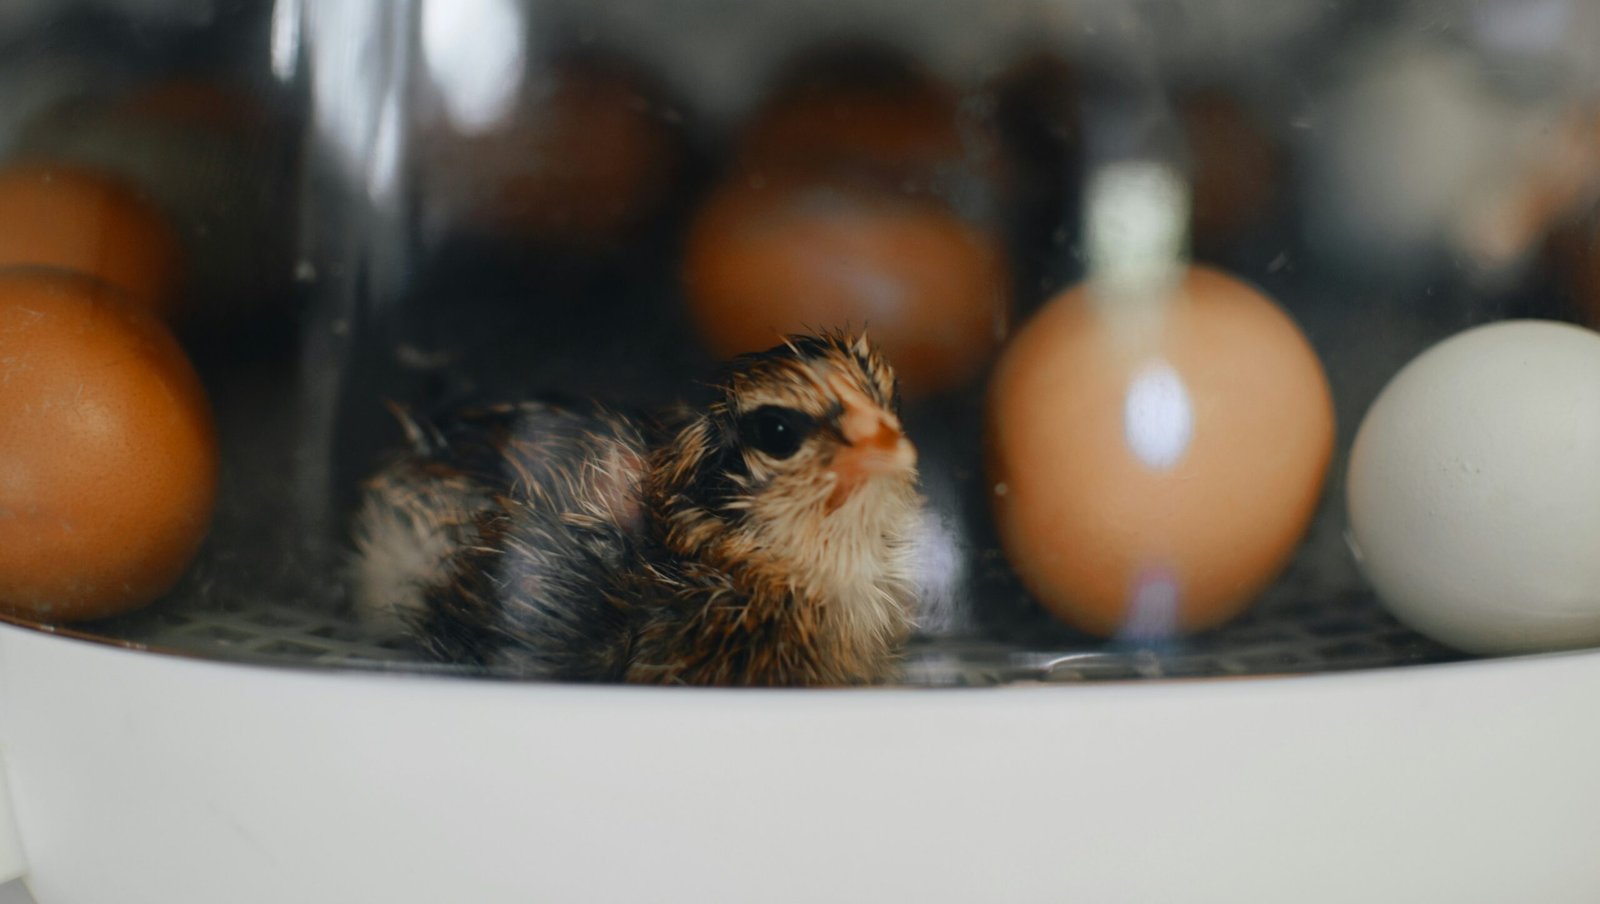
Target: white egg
pixel 1474 489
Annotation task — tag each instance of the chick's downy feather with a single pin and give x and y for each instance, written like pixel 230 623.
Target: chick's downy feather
pixel 762 540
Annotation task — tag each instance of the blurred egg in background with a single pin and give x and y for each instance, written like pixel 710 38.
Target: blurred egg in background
pixel 859 195
pixel 771 257
pixel 1421 151
pixel 1235 166
pixel 70 217
pixel 573 154
pixel 211 158
pixel 874 112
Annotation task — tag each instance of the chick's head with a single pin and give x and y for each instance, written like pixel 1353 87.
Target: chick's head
pixel 799 458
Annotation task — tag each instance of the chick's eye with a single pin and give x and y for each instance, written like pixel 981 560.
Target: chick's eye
pixel 775 431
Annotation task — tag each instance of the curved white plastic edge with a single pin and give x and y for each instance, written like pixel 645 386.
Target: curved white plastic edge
pixel 13 865
pixel 144 778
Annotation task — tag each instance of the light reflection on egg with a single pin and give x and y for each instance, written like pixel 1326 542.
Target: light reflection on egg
pixel 1158 416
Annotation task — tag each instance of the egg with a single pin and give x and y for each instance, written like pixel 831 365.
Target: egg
pixel 1152 473
pixel 1473 491
pixel 863 195
pixel 108 464
pixel 1576 253
pixel 895 118
pixel 768 258
pixel 1235 167
pixel 868 112
pixel 1039 111
pixel 67 216
pixel 1039 120
pixel 214 158
pixel 583 159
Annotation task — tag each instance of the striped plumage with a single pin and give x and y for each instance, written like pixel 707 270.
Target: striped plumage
pixel 761 541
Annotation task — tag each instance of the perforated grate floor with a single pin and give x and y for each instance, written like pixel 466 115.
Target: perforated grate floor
pixel 1336 635
pixel 1299 627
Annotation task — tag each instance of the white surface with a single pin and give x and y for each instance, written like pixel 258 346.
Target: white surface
pixel 1474 489
pixel 12 862
pixel 142 778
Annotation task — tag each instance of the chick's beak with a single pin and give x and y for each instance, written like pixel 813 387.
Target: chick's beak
pixel 874 445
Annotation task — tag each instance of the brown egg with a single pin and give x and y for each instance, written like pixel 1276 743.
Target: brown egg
pixel 66 216
pixel 1152 476
pixel 108 465
pixel 1580 247
pixel 197 102
pixel 903 119
pixel 1038 117
pixel 867 112
pixel 768 259
pixel 1039 109
pixel 1548 200
pixel 582 161
pixel 218 161
pixel 1235 167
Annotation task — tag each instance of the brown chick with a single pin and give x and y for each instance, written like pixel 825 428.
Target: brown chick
pixel 763 540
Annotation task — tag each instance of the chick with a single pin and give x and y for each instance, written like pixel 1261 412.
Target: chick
pixel 763 540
